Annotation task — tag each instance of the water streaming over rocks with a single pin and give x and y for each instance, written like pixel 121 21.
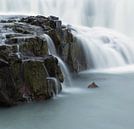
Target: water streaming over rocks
pixel 55 44
pixel 108 13
pixel 28 71
pixel 103 48
pixel 52 51
pixel 51 46
pixel 29 66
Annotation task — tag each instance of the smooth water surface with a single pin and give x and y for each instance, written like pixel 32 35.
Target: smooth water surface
pixel 108 107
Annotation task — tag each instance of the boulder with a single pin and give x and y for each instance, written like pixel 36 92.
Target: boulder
pixel 93 85
pixel 72 53
pixel 27 71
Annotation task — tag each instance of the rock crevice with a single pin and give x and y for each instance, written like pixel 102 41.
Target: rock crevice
pixel 28 71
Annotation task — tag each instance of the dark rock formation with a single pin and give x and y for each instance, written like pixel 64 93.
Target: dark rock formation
pixel 28 71
pixel 66 45
pixel 93 85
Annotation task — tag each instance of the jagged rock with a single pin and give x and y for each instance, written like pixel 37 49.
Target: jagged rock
pixel 55 85
pixel 3 63
pixel 34 78
pixel 73 54
pixel 50 63
pixel 27 71
pixel 7 87
pixel 93 85
pixel 76 58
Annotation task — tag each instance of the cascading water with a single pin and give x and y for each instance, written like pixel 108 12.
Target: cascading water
pixel 52 51
pixel 51 46
pixel 103 48
pixel 117 14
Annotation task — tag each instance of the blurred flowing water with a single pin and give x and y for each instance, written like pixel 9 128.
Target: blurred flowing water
pixel 105 47
pixel 111 105
pixel 108 107
pixel 107 13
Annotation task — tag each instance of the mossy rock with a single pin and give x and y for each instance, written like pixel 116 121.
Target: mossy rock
pixel 7 86
pixel 27 71
pixel 35 76
pixel 53 68
pixel 33 46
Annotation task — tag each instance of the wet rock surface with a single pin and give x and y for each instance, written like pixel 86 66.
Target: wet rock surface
pixel 28 71
pixel 93 85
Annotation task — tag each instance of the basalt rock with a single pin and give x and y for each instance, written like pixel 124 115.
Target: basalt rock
pixel 74 56
pixel 27 70
pixel 70 50
pixel 66 45
pixel 7 85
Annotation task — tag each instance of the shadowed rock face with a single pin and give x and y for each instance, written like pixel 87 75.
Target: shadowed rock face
pixel 27 70
pixel 66 45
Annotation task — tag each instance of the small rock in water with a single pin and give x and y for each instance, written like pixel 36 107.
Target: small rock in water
pixel 93 85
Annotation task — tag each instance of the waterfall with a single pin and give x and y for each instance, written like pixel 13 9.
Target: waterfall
pixel 51 46
pixel 52 51
pixel 104 48
pixel 117 14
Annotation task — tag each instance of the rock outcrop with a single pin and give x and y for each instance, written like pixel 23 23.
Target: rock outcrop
pixel 93 85
pixel 28 70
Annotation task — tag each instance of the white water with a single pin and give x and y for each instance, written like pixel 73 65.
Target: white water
pixel 52 51
pixel 108 107
pixel 117 14
pixel 128 69
pixel 56 84
pixel 51 46
pixel 103 48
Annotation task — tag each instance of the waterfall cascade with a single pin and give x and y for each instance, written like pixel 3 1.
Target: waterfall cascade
pixel 103 48
pixel 107 13
pixel 52 51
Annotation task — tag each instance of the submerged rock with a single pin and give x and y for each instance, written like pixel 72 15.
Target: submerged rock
pixel 93 85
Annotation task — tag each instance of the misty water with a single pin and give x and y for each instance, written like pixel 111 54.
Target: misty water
pixel 108 107
pixel 111 105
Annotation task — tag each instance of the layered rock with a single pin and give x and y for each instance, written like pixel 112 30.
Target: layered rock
pixel 66 44
pixel 28 71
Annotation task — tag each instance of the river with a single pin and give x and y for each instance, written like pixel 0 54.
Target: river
pixel 108 107
pixel 111 105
